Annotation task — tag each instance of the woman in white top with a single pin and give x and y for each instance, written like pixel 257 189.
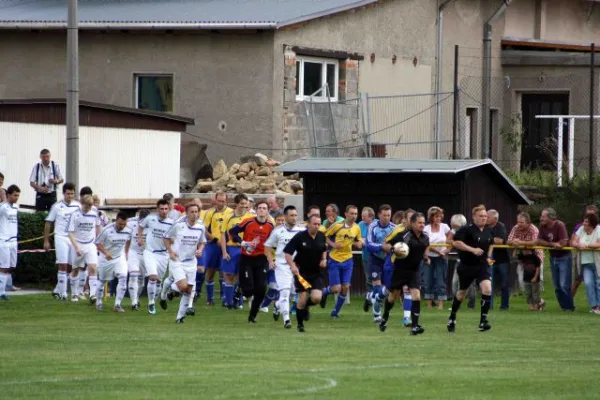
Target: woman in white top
pixel 588 237
pixel 433 275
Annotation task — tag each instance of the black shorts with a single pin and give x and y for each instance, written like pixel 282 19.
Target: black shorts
pixel 402 278
pixel 44 201
pixel 315 280
pixel 469 273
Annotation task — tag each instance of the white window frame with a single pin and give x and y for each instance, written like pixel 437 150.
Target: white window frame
pixel 136 80
pixel 301 96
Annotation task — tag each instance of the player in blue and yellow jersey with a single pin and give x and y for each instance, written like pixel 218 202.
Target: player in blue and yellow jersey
pixel 341 237
pixel 213 221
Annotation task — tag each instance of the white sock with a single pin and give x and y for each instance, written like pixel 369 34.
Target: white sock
pixel 407 312
pixel 191 300
pixel 140 285
pixel 99 291
pixel 183 305
pixel 133 287
pixel 165 288
pixel 75 285
pixel 284 304
pixel 61 286
pixel 3 280
pixel 83 275
pixel 93 281
pixel 151 291
pixel 57 287
pixel 121 289
pixel 158 289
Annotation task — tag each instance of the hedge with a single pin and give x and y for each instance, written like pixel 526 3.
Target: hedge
pixel 34 268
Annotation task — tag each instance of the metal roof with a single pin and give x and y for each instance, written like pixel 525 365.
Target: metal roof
pixel 392 165
pixel 170 14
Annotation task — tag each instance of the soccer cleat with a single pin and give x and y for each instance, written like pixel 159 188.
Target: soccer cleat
pixel 276 314
pixel 56 295
pixel 323 302
pixel 180 320
pixel 287 324
pixel 118 308
pixel 152 309
pixel 334 315
pixel 367 303
pixel 406 322
pixel 135 307
pixel 377 319
pixel 163 304
pixel 99 307
pixel 264 309
pixel 484 326
pixel 383 325
pixel 92 300
pixel 4 297
pixel 417 330
pixel 451 326
pixel 74 298
pixel 300 328
pixel 191 311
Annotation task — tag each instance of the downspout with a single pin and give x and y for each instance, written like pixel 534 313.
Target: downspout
pixel 438 71
pixel 486 86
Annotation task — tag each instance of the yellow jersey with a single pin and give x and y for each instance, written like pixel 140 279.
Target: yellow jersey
pixel 213 221
pixel 231 221
pixel 398 229
pixel 347 236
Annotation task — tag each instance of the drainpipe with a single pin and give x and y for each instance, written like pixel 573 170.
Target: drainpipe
pixel 487 77
pixel 439 75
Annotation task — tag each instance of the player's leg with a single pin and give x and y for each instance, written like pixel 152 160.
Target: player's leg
pixel 83 281
pixel 212 265
pixel 388 304
pixel 5 270
pixel 345 275
pixel 379 292
pixel 121 275
pixel 246 278
pixel 230 269
pixel 167 283
pixel 259 276
pixel 272 292
pixel 104 273
pixel 465 278
pixel 301 307
pixel 485 285
pixel 200 275
pixel 406 306
pixel 61 250
pixel 414 284
pixel 133 267
pixel 91 260
pixel 285 281
pixel 369 282
pixel 334 286
pixel 184 278
pixel 151 264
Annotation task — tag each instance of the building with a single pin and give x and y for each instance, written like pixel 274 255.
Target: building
pixel 123 152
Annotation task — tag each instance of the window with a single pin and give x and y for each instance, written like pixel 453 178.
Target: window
pixel 312 74
pixel 154 92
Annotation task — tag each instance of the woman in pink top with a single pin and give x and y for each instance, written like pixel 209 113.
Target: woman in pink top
pixel 433 275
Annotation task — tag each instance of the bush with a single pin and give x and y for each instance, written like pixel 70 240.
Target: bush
pixel 34 268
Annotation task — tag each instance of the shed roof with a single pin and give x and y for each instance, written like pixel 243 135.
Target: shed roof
pixel 171 14
pixel 396 166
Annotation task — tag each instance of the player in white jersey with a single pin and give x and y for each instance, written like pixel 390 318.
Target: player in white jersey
pixel 135 260
pixel 174 214
pixel 83 274
pixel 155 253
pixel 84 227
pixel 59 216
pixel 284 278
pixel 184 242
pixel 9 231
pixel 113 245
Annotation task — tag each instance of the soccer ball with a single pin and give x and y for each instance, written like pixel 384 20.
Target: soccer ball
pixel 401 250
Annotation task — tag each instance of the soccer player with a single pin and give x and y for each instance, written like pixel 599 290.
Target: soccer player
pixel 231 250
pixel 155 252
pixel 135 260
pixel 306 254
pixel 113 244
pixel 9 231
pixel 378 251
pixel 284 278
pixel 473 244
pixel 84 227
pixel 253 262
pixel 272 292
pixel 83 274
pixel 184 242
pixel 174 209
pixel 213 221
pixel 406 272
pixel 59 215
pixel 341 236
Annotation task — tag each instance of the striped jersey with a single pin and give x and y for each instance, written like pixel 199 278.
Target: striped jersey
pixel 59 214
pixel 83 225
pixel 113 240
pixel 186 239
pixel 9 224
pixel 155 231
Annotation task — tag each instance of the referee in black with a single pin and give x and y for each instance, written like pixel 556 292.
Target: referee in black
pixel 407 271
pixel 310 248
pixel 473 244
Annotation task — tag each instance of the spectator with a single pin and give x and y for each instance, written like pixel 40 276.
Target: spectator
pixel 553 233
pixel 2 190
pixel 274 208
pixel 588 237
pixel 434 273
pixel 367 217
pixel 578 273
pixel 332 214
pixel 531 279
pixel 524 233
pixel 398 218
pixel 45 178
pixel 456 222
pixel 500 256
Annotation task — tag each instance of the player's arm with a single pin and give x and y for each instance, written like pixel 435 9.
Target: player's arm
pixel 102 250
pixel 235 231
pixel 371 243
pixel 140 236
pixel 459 243
pixel 223 241
pixel 71 230
pixel 207 222
pixel 168 241
pixel 50 219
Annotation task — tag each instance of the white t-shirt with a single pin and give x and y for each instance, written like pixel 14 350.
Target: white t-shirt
pixel 83 225
pixel 9 224
pixel 114 241
pixel 60 213
pixel 132 223
pixel 437 237
pixel 186 239
pixel 279 238
pixel 156 229
pixel 174 215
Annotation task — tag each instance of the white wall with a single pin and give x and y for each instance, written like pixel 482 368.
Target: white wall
pixel 115 163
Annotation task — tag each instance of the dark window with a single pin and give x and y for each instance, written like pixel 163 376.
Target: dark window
pixel 154 92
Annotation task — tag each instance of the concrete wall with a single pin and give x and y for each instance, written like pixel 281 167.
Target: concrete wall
pixel 217 77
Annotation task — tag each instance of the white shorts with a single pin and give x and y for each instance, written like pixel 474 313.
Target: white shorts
pixel 135 262
pixel 89 255
pixel 155 263
pixel 62 246
pixel 183 271
pixel 8 255
pixel 284 277
pixel 109 270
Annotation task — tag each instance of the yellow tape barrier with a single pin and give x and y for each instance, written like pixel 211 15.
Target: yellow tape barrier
pixel 34 239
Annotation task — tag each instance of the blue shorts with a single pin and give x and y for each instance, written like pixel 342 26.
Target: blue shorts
pixel 388 273
pixel 376 267
pixel 212 256
pixel 232 266
pixel 340 273
pixel 200 260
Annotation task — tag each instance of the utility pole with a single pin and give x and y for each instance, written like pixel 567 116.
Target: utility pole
pixel 73 95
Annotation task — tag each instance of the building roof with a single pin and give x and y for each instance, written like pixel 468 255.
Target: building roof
pixel 396 166
pixel 170 14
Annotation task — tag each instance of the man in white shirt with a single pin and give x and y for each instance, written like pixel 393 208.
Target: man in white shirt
pixel 113 244
pixel 44 179
pixel 59 215
pixel 84 227
pixel 135 260
pixel 9 231
pixel 278 239
pixel 155 252
pixel 184 242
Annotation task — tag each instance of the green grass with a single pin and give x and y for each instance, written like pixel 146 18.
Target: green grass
pixel 53 350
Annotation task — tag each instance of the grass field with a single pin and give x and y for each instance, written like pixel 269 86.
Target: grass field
pixel 61 350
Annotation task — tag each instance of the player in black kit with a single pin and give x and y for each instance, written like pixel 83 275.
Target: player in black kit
pixel 406 271
pixel 473 244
